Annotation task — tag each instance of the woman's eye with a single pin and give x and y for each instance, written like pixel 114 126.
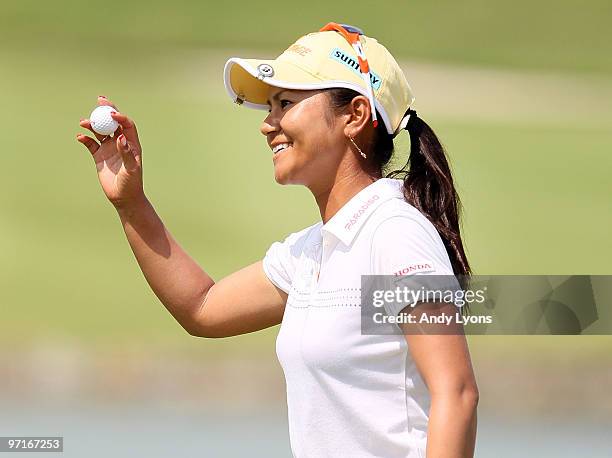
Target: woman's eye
pixel 282 103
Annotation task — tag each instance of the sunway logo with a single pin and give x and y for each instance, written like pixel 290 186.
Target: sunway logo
pixel 414 268
pixel 340 56
pixel 359 213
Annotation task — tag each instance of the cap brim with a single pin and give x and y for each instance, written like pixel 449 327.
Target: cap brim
pixel 246 86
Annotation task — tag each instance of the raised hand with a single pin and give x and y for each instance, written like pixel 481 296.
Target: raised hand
pixel 118 159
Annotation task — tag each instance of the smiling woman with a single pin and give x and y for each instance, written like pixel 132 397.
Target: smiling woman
pixel 298 147
pixel 336 99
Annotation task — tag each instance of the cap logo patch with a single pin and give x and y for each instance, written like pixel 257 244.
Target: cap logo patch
pixel 299 49
pixel 264 71
pixel 351 62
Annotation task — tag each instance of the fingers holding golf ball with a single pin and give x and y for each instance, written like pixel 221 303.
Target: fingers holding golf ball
pixel 117 157
pixel 106 120
pixel 101 120
pixel 126 125
pixel 128 128
pixel 87 125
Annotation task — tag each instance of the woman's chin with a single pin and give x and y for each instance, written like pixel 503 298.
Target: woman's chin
pixel 290 172
pixel 281 178
pixel 282 175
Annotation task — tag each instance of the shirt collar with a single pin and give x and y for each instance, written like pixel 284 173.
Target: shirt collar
pixel 351 217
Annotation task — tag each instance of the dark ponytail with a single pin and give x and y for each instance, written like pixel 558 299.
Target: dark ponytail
pixel 428 182
pixel 428 186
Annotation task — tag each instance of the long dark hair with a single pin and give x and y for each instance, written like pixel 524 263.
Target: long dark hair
pixel 428 182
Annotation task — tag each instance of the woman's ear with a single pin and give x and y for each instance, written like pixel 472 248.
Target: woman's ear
pixel 358 111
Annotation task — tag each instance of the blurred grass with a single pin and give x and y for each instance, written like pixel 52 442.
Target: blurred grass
pixel 536 196
pixel 564 35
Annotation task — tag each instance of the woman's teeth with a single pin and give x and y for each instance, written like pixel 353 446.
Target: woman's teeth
pixel 280 147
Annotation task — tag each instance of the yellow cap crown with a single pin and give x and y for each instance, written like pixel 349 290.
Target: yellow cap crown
pixel 323 60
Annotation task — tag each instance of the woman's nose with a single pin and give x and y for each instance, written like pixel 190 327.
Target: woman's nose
pixel 269 125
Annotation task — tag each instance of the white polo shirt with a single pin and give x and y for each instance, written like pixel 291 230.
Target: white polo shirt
pixel 348 394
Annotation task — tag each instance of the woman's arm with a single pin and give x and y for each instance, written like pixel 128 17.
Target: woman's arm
pixel 245 301
pixel 445 365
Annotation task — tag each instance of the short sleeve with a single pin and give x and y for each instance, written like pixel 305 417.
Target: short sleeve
pixel 281 259
pixel 405 246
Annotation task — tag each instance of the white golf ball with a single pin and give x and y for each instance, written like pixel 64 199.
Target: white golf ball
pixel 101 121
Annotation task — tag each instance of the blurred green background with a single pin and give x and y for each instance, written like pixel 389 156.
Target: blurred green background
pixel 519 92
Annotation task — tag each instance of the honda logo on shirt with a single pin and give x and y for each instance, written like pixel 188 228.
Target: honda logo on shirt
pixel 415 269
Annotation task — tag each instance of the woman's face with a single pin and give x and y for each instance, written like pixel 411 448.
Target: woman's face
pixel 304 139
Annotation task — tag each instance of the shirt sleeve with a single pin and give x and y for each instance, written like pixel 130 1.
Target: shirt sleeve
pixel 403 245
pixel 406 246
pixel 281 259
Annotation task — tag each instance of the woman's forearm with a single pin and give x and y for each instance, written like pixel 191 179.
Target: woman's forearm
pixel 175 278
pixel 452 425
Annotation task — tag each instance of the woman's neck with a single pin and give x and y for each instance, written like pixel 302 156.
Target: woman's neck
pixel 333 197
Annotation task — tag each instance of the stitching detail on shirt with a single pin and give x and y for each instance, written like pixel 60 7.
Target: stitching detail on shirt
pixel 339 297
pixel 317 291
pixel 328 291
pixel 335 305
pixel 290 304
pixel 306 297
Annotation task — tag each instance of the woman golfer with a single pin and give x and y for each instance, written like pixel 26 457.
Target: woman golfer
pixel 335 100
